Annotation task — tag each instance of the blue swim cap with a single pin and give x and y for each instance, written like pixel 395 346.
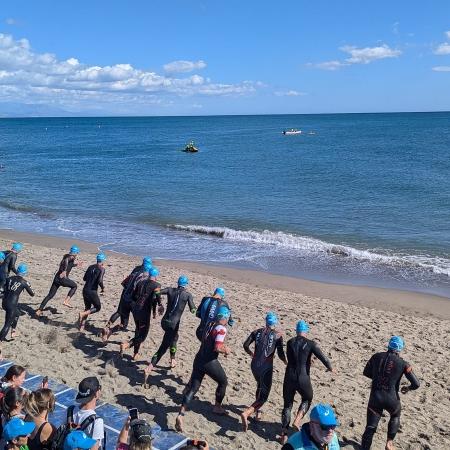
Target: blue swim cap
pixel 101 257
pixel 396 343
pixel 147 261
pixel 2 255
pixel 223 313
pixel 302 327
pixel 220 291
pixel 324 414
pixel 271 319
pixel 74 250
pixel 154 272
pixel 147 267
pixel 183 280
pixel 22 269
pixel 17 246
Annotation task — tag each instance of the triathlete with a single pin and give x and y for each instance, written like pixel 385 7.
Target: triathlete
pixel 124 307
pixel 93 278
pixel 62 279
pixel 206 312
pixel 9 263
pixel 177 298
pixel 386 369
pixel 267 340
pixel 2 277
pixel 145 294
pixel 296 379
pixel 14 287
pixel 206 363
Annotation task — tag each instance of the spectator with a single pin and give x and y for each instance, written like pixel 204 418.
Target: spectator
pixel 11 404
pixel 318 433
pixel 78 440
pixel 14 377
pixel 37 406
pixel 16 433
pixel 135 435
pixel 89 391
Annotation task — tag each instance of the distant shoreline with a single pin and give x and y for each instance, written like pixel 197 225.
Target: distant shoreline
pixel 398 301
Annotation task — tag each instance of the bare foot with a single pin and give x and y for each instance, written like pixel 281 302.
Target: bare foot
pixel 179 423
pixel 283 438
pixel 123 347
pixel 173 363
pixel 244 420
pixel 80 322
pixel 106 334
pixel 38 313
pixel 14 334
pixel 136 356
pixel 389 445
pixel 67 303
pixel 297 421
pixel 220 410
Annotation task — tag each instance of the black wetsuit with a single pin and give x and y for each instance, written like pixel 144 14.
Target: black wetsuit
pixel 146 293
pixel 7 266
pixel 385 369
pixel 266 341
pixel 206 363
pixel 14 287
pixel 93 278
pixel 66 265
pixel 124 308
pixel 177 298
pixel 206 312
pixel 296 379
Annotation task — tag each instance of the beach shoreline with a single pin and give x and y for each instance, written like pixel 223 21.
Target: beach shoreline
pixel 384 299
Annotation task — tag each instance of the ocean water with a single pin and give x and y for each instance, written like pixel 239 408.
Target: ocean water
pixel 355 198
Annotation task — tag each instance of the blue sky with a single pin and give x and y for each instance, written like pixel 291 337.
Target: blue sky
pixel 189 57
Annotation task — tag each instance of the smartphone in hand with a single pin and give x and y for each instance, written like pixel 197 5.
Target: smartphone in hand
pixel 133 413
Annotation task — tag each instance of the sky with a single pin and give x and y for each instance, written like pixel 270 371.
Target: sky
pixel 205 57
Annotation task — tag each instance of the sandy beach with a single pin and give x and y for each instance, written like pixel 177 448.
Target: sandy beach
pixel 350 323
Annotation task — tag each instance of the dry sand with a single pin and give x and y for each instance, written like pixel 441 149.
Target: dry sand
pixel 350 324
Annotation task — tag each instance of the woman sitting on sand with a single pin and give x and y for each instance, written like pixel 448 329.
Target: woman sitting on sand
pixel 37 406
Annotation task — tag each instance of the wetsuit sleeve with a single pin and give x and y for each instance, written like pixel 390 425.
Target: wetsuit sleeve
pixel 368 370
pixel 191 303
pixel 156 295
pixel 64 265
pixel 100 278
pixel 411 376
pixel 290 352
pixel 199 310
pixel 12 263
pixel 280 349
pixel 164 291
pixel 318 354
pixel 126 281
pixel 85 276
pixel 28 288
pixel 248 342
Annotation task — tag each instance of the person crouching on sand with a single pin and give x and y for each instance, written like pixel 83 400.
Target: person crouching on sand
pixel 206 362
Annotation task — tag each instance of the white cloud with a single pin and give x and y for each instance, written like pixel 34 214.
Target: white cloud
pixel 34 77
pixel 184 66
pixel 290 93
pixel 443 49
pixel 368 54
pixel 442 69
pixel 364 55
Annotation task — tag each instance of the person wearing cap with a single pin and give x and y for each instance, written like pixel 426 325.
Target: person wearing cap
pixel 206 312
pixel 177 299
pixel 93 278
pixel 318 433
pixel 267 340
pixel 299 351
pixel 125 303
pixel 78 439
pixel 10 304
pixel 89 391
pixel 62 279
pixel 16 432
pixel 146 293
pixel 386 369
pixel 9 261
pixel 135 435
pixel 206 362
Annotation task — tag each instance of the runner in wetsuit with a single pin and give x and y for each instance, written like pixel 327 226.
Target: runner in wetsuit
pixel 147 292
pixel 9 263
pixel 170 323
pixel 2 278
pixel 206 312
pixel 296 379
pixel 62 279
pixel 386 369
pixel 93 278
pixel 14 287
pixel 267 340
pixel 206 363
pixel 124 308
